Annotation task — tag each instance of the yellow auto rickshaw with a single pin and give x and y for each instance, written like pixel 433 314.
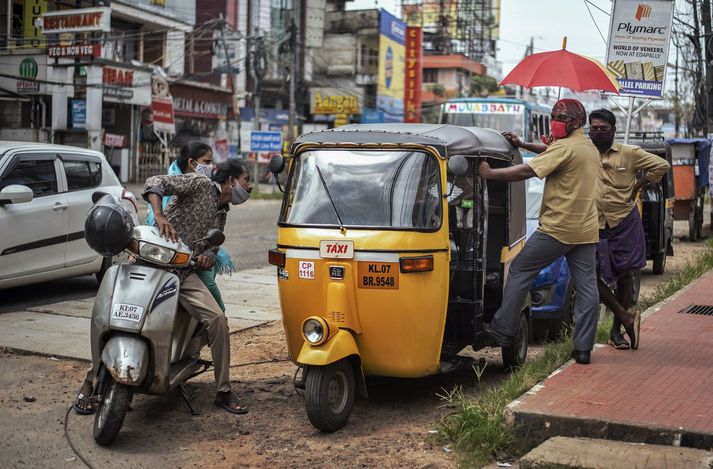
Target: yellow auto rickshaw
pixel 391 254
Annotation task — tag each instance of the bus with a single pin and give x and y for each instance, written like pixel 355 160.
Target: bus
pixel 525 119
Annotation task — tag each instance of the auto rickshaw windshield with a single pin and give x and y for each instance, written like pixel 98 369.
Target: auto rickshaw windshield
pixel 365 188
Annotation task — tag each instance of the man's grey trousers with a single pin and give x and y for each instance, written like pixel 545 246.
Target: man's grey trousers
pixel 539 252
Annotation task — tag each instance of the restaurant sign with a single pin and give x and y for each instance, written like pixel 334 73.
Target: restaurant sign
pixel 332 101
pixel 75 50
pixel 126 86
pixel 76 20
pixel 199 108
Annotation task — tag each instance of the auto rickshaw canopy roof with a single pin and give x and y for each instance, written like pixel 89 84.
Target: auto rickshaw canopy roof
pixel 449 140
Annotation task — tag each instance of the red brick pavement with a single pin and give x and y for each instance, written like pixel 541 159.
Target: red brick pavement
pixel 666 384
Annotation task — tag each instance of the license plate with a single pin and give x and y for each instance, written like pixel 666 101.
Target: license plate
pixel 336 249
pixel 381 275
pixel 133 313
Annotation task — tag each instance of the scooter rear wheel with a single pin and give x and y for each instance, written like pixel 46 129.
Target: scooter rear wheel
pixel 111 412
pixel 329 395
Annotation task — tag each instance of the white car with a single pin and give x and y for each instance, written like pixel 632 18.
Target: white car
pixel 45 194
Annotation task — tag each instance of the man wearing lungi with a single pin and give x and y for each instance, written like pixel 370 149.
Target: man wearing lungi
pixel 622 247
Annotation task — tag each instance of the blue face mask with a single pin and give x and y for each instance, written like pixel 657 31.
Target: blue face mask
pixel 205 169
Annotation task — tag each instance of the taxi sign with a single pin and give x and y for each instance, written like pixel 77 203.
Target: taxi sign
pixel 336 249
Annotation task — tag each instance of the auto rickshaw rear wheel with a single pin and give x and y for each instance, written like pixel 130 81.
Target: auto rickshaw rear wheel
pixel 329 394
pixel 515 356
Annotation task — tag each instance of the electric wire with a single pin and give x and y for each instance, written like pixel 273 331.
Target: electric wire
pixel 69 440
pixel 586 4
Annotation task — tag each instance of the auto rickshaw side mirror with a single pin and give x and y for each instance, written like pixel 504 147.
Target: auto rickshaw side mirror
pixel 277 164
pixel 457 165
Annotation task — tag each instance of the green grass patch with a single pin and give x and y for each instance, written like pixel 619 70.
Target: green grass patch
pixel 259 195
pixel 477 427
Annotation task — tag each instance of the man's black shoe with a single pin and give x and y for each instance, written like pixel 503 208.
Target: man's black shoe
pixel 583 358
pixel 501 340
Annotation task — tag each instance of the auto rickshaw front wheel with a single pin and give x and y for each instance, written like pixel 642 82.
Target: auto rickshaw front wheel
pixel 329 394
pixel 515 356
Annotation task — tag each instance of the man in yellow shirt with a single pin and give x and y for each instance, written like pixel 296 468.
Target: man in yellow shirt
pixel 568 226
pixel 622 247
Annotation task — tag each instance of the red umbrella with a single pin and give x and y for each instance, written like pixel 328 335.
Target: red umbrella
pixel 564 69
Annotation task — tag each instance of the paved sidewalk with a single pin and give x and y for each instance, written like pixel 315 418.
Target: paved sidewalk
pixel 62 328
pixel 660 394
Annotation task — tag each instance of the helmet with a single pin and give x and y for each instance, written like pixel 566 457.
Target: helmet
pixel 108 227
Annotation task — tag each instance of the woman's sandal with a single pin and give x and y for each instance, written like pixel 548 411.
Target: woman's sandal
pixel 83 404
pixel 232 405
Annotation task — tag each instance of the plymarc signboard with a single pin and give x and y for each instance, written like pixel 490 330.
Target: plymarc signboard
pixel 639 38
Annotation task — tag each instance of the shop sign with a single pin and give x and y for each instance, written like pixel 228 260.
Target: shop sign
pixel 162 106
pixel 414 69
pixel 75 50
pixel 115 79
pixel 28 71
pixel 79 113
pixel 76 21
pixel 33 36
pixel 331 101
pixel 484 108
pixel 115 140
pixel 198 108
pixel 126 85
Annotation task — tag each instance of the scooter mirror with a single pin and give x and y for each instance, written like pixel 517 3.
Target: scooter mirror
pixel 277 164
pixel 215 237
pixel 457 165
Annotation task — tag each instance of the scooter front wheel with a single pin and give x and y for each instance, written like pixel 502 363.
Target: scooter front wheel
pixel 111 412
pixel 329 395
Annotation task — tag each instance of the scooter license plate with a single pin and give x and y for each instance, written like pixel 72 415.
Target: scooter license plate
pixel 381 275
pixel 133 313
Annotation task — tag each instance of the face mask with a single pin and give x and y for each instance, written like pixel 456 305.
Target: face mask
pixel 602 139
pixel 558 129
pixel 205 169
pixel 240 195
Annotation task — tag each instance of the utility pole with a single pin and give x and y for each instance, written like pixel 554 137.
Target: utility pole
pixel 708 48
pixel 293 81
pixel 677 101
pixel 231 77
pixel 258 71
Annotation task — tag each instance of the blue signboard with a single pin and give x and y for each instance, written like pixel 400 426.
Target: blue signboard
pixel 265 141
pixel 79 113
pixel 372 116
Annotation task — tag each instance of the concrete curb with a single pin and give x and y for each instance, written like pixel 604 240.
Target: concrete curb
pixel 536 427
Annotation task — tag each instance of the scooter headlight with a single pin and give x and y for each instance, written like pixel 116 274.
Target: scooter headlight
pixel 315 330
pixel 155 253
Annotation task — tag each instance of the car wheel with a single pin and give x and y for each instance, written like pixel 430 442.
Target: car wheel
pixel 515 356
pixel 552 329
pixel 106 263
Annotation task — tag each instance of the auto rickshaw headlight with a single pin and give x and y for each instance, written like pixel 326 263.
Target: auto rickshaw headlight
pixel 315 330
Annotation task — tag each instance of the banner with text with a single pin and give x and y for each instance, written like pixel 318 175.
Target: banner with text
pixel 637 52
pixel 414 71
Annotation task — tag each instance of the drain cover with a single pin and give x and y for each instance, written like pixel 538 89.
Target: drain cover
pixel 705 310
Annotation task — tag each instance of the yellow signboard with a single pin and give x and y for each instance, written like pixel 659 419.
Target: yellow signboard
pixel 324 101
pixel 33 36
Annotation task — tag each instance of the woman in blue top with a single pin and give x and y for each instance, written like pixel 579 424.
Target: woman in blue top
pixel 198 157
